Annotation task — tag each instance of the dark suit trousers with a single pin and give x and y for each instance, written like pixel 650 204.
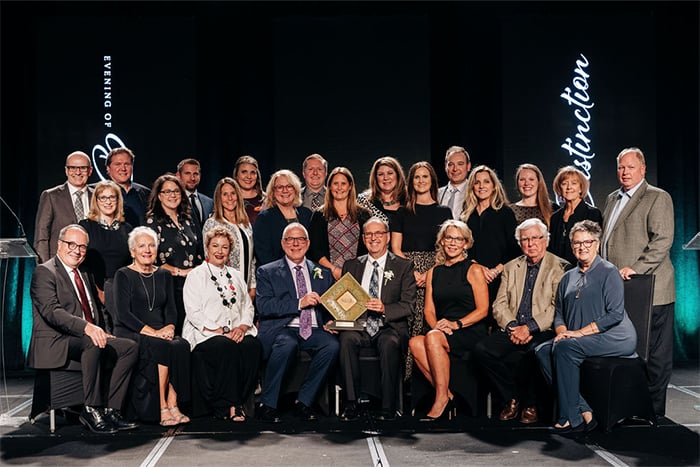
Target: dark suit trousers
pixel 660 364
pixel 490 353
pixel 123 352
pixel 323 347
pixel 388 344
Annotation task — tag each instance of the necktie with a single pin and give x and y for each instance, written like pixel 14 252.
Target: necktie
pixel 372 321
pixel 196 213
pixel 78 206
pixel 84 304
pixel 305 316
pixel 316 201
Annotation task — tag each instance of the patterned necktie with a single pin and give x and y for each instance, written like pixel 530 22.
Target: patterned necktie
pixel 316 201
pixel 84 304
pixel 195 209
pixel 372 321
pixel 78 206
pixel 305 316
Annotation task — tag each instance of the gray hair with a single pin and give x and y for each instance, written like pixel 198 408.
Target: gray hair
pixel 140 231
pixel 295 225
pixel 376 220
pixel 533 222
pixel 589 226
pixel 62 232
pixel 455 149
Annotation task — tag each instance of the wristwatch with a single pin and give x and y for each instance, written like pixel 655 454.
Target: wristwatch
pixel 460 325
pixel 225 330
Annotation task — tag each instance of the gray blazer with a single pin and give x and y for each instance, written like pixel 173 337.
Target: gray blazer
pixel 57 314
pixel 642 237
pixel 55 211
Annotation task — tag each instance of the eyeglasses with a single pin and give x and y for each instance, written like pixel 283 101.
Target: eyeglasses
pixel 170 192
pixel 78 168
pixel 450 239
pixel 295 239
pixel 584 243
pixel 374 234
pixel 284 187
pixel 72 246
pixel 104 199
pixel 531 239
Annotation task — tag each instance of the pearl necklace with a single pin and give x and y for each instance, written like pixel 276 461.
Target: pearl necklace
pixel 228 302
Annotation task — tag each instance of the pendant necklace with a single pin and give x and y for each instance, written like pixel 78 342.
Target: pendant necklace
pixel 151 302
pixel 228 302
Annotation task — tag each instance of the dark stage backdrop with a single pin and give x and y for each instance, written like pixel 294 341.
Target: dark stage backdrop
pixel 352 81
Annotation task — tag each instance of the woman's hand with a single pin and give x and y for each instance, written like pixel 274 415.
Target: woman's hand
pixel 567 335
pixel 490 273
pixel 337 272
pixel 447 326
pixel 236 335
pixel 166 332
pixel 420 278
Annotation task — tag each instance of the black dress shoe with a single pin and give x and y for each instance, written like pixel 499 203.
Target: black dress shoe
pixel 114 417
pixel 386 415
pixel 305 413
pixel 95 421
pixel 351 412
pixel 268 414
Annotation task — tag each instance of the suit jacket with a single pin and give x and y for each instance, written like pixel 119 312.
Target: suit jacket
pixel 398 294
pixel 55 211
pixel 642 237
pixel 57 314
pixel 276 297
pixel 510 292
pixel 267 232
pixel 207 208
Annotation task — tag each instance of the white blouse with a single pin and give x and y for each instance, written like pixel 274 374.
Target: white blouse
pixel 204 307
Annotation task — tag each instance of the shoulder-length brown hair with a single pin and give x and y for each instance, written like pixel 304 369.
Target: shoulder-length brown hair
pixel 411 199
pixel 252 161
pixel 239 213
pixel 155 209
pixel 328 209
pixel 100 188
pixel 399 193
pixel 498 197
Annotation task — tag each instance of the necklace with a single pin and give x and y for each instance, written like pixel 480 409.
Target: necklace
pixel 228 302
pixel 150 302
pixel 389 203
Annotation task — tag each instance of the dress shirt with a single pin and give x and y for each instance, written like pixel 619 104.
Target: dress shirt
pixel 69 271
pixel 83 197
pixel 305 272
pixel 623 197
pixel 458 205
pixel 369 268
pixel 525 309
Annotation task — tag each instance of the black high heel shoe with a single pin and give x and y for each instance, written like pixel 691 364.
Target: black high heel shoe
pixel 447 413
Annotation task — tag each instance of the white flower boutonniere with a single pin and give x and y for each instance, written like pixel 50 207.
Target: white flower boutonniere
pixel 318 274
pixel 388 275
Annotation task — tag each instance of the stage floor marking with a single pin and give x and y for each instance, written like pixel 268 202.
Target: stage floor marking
pixel 160 447
pixel 607 456
pixel 377 452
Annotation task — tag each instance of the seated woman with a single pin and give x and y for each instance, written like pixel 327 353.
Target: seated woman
pixel 219 326
pixel 589 321
pixel 456 305
pixel 145 312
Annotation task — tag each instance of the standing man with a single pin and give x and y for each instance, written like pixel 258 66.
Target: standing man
pixel 61 205
pixel 292 318
pixel 314 170
pixel 637 238
pixel 457 167
pixel 69 325
pixel 391 284
pixel 524 312
pixel 120 168
pixel 189 174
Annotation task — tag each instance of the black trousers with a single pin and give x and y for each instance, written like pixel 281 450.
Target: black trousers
pixel 123 353
pixel 491 353
pixel 660 364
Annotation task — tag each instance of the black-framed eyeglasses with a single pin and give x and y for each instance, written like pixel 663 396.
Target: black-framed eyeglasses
pixel 584 243
pixel 451 239
pixel 374 234
pixel 78 168
pixel 72 246
pixel 169 192
pixel 295 239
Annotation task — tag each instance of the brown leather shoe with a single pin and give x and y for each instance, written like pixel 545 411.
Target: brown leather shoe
pixel 510 411
pixel 529 415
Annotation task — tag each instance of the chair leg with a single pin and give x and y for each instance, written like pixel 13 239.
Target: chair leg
pixel 52 420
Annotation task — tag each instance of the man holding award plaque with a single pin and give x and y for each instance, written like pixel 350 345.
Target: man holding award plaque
pixel 391 285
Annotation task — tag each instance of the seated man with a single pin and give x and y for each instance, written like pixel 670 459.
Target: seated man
pixel 69 324
pixel 391 285
pixel 524 311
pixel 291 318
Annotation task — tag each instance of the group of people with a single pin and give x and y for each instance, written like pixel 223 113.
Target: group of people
pixel 197 301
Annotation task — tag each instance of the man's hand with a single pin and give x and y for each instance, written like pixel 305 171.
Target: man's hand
pixel 520 335
pixel 309 300
pixel 375 304
pixel 627 273
pixel 97 335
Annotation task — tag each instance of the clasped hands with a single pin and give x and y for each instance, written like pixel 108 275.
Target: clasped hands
pixel 520 335
pixel 446 326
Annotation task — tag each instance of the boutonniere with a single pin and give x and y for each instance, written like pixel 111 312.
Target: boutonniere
pixel 318 274
pixel 388 275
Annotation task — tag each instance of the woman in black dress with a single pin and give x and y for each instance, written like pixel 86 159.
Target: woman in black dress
pixel 571 185
pixel 387 189
pixel 456 303
pixel 178 248
pixel 247 173
pixel 145 307
pixel 534 197
pixel 108 249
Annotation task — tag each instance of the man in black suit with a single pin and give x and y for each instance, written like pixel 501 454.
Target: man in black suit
pixel 69 324
pixel 391 284
pixel 120 168
pixel 189 173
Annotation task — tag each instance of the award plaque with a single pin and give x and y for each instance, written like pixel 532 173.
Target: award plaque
pixel 345 300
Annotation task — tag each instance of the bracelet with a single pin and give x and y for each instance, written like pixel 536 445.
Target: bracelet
pixel 177 272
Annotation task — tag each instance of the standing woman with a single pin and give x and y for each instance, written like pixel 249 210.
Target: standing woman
pixel 230 212
pixel 178 242
pixel 108 249
pixel 282 206
pixel 571 185
pixel 534 197
pixel 146 313
pixel 336 227
pixel 220 329
pixel 414 231
pixel 387 189
pixel 247 173
pixel 456 305
pixel 492 223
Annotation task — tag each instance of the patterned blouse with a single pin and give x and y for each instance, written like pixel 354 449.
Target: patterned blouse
pixel 343 237
pixel 178 246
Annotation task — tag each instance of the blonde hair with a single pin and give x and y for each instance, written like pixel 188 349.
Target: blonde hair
pixel 463 229
pixel 239 213
pixel 498 197
pixel 270 201
pixel 95 213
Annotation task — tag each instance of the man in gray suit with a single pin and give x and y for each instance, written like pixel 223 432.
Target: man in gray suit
pixel 457 167
pixel 69 325
pixel 64 204
pixel 391 284
pixel 314 169
pixel 637 238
